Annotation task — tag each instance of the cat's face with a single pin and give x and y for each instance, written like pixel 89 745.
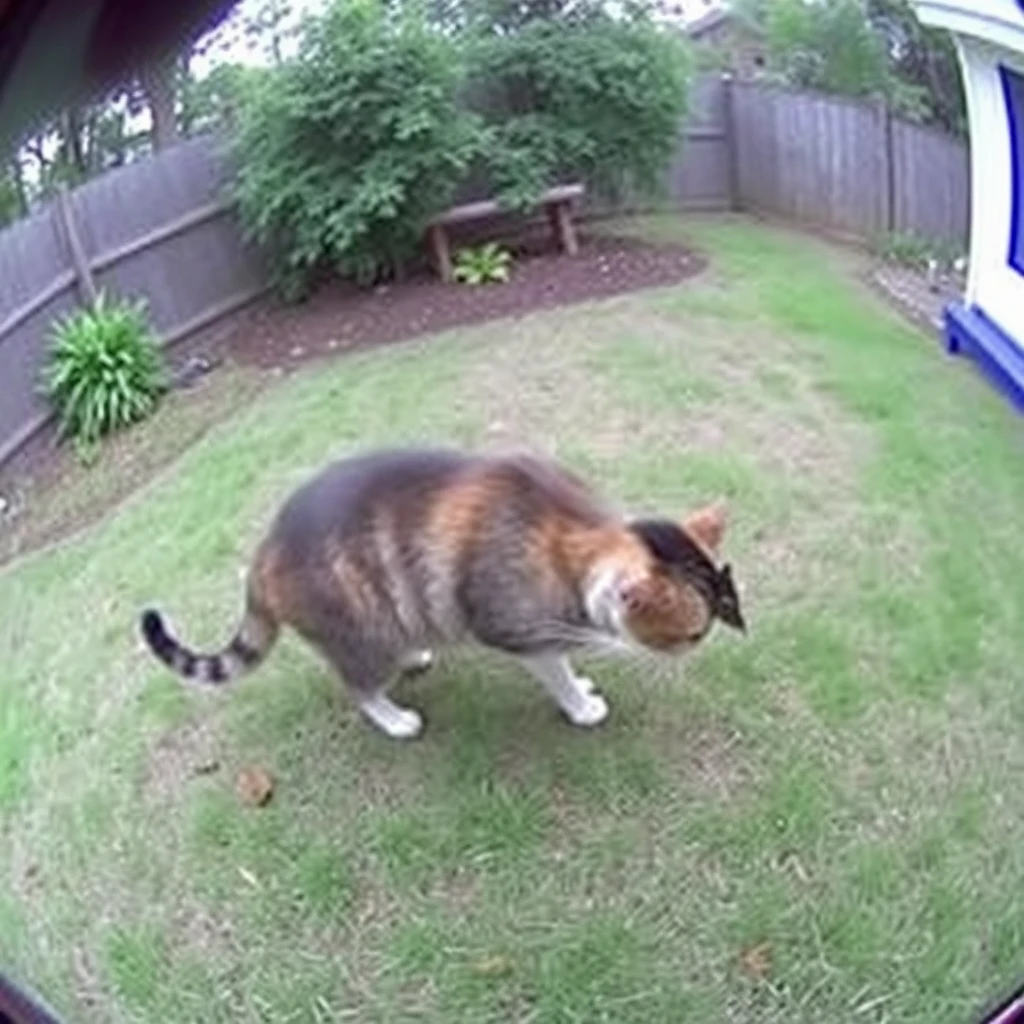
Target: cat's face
pixel 672 605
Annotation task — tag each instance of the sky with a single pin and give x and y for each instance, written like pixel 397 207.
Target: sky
pixel 229 43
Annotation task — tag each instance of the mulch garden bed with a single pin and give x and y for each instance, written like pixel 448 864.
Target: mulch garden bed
pixel 341 317
pixel 272 337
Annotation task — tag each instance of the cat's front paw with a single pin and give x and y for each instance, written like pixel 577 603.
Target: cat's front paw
pixel 397 722
pixel 405 724
pixel 592 709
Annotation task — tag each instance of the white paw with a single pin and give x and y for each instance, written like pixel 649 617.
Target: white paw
pixel 418 661
pixel 406 725
pixel 585 684
pixel 392 720
pixel 591 711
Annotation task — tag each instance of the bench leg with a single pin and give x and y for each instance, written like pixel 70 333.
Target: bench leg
pixel 438 238
pixel 560 216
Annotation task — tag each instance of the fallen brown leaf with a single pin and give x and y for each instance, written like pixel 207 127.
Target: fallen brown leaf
pixel 757 961
pixel 254 787
pixel 493 967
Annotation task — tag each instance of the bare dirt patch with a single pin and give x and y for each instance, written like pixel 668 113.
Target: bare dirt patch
pixel 178 755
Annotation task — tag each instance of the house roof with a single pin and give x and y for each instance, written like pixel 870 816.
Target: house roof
pixel 708 21
pixel 717 16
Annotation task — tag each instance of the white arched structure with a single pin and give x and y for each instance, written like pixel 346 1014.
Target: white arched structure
pixel 989 326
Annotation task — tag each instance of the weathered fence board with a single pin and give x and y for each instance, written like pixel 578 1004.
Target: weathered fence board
pixel 162 229
pixel 932 183
pixel 35 286
pixel 699 177
pixel 812 158
pixel 847 166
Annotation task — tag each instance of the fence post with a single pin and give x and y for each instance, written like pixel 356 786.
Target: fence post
pixel 731 140
pixel 73 243
pixel 888 169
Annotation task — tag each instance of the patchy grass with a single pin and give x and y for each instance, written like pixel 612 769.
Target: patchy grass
pixel 60 495
pixel 824 821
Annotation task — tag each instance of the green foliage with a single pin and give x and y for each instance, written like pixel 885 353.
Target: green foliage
pixel 104 371
pixel 213 102
pixel 593 98
pixel 915 251
pixel 922 58
pixel 483 265
pixel 863 48
pixel 11 205
pixel 344 152
pixel 829 46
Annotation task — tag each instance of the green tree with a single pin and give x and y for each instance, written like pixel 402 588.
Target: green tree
pixel 923 58
pixel 867 48
pixel 345 151
pixel 828 45
pixel 12 196
pixel 213 103
pixel 581 95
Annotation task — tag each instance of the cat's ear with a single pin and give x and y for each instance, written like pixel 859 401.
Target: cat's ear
pixel 707 525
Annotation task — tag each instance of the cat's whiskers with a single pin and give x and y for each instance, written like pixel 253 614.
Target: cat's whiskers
pixel 586 638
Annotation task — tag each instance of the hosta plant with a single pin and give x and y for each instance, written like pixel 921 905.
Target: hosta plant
pixel 104 370
pixel 483 265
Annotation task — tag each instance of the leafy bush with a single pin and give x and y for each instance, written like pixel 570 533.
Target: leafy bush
pixel 596 98
pixel 483 265
pixel 104 370
pixel 344 152
pixel 915 251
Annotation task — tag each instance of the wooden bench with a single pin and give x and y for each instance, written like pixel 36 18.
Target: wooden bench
pixel 556 202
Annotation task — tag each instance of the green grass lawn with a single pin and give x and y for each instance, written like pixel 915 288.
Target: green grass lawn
pixel 821 822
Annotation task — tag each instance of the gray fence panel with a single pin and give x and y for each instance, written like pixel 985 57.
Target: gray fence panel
pixel 699 177
pixel 31 256
pixel 35 286
pixel 125 204
pixel 22 354
pixel 847 166
pixel 932 183
pixel 816 159
pixel 187 276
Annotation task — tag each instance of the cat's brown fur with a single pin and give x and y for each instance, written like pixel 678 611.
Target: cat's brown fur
pixel 384 556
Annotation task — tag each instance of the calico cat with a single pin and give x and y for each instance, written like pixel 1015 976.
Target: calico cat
pixel 385 556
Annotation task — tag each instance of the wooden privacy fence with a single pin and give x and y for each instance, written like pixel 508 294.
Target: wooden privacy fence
pixel 846 166
pixel 162 229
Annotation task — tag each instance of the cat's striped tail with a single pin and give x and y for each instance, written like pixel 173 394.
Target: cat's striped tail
pixel 249 646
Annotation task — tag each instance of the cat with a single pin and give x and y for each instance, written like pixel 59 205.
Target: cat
pixel 385 556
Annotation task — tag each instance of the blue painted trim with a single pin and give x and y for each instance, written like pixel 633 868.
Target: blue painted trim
pixel 1013 90
pixel 971 333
